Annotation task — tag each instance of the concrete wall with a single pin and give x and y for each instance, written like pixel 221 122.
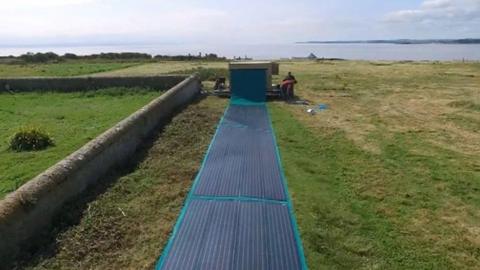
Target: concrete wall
pixel 31 208
pixel 68 84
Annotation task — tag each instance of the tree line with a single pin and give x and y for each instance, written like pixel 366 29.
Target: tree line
pixel 52 57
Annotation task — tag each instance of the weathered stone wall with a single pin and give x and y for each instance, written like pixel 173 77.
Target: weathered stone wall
pixel 31 208
pixel 69 84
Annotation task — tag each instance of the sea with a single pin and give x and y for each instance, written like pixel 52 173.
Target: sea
pixel 413 52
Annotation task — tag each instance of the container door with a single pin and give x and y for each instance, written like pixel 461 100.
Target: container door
pixel 248 85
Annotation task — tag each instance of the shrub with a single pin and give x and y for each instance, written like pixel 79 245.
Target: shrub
pixel 189 57
pixel 30 139
pixel 70 56
pixel 39 57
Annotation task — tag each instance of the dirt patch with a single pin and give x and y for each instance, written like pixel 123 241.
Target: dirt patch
pixel 127 226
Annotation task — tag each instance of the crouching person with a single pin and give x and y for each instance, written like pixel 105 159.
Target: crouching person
pixel 288 87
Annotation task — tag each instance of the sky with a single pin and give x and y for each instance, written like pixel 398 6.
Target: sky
pixel 35 22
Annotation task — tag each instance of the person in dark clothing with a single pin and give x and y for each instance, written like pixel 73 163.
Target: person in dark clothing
pixel 290 77
pixel 288 86
pixel 220 83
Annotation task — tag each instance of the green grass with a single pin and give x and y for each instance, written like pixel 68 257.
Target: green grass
pixel 388 177
pixel 128 225
pixel 205 74
pixel 168 67
pixel 67 68
pixel 71 119
pixel 466 104
pixel 358 210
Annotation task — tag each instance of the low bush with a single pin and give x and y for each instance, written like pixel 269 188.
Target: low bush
pixel 30 139
pixel 39 57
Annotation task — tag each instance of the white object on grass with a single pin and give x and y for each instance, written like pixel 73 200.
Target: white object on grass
pixel 311 111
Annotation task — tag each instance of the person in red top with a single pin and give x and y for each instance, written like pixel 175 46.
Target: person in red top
pixel 288 86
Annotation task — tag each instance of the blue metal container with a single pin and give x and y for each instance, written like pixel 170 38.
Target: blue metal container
pixel 248 84
pixel 249 81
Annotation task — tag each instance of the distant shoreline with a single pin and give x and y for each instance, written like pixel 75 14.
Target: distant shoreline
pixel 364 51
pixel 399 41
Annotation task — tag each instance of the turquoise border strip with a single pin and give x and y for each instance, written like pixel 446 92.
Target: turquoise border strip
pixel 165 252
pixel 301 253
pixel 239 199
pixel 245 102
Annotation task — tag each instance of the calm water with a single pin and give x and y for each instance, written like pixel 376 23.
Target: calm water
pixel 277 51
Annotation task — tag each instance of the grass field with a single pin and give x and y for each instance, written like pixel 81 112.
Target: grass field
pixel 127 226
pixel 387 178
pixel 165 67
pixel 67 68
pixel 71 119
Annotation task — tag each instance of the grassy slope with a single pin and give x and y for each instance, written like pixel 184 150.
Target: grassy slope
pixel 164 68
pixel 207 70
pixel 388 178
pixel 67 68
pixel 75 119
pixel 127 226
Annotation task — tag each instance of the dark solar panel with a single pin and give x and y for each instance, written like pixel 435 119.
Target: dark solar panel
pixel 234 235
pixel 242 159
pixel 237 216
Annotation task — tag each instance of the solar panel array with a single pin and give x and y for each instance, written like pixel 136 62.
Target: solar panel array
pixel 238 214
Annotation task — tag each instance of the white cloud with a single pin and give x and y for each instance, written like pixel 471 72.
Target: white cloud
pixel 433 4
pixel 101 22
pixel 192 21
pixel 442 11
pixel 436 19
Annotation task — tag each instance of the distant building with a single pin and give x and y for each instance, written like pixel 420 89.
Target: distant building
pixel 311 56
